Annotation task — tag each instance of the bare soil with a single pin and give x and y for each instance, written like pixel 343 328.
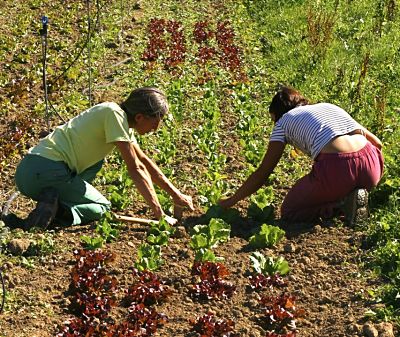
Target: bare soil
pixel 325 278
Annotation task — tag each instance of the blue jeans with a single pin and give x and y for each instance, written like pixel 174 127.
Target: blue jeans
pixel 76 194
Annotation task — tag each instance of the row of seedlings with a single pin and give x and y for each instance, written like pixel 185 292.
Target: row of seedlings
pixel 93 291
pixel 277 307
pixel 209 277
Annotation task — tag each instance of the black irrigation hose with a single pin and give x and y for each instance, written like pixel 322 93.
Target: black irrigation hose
pixel 84 45
pixel 3 297
pixel 43 34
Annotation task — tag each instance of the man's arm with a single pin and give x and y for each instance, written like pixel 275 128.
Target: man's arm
pixel 140 176
pixel 158 177
pixel 259 176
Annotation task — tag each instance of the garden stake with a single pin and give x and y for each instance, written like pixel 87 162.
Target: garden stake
pixel 3 297
pixel 89 55
pixel 43 34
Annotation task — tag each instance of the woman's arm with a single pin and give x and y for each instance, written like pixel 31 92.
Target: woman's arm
pixel 259 176
pixel 140 176
pixel 162 181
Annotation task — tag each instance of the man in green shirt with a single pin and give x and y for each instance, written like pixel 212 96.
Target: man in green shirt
pixel 58 171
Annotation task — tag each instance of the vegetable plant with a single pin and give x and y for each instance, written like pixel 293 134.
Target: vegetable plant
pixel 209 236
pixel 92 242
pixel 280 313
pixel 269 265
pixel 208 326
pixel 261 208
pixel 260 281
pixel 141 321
pixel 205 254
pixel 206 237
pixel 149 257
pixel 211 283
pixel 160 233
pixel 229 215
pixel 106 227
pixel 267 237
pixel 147 289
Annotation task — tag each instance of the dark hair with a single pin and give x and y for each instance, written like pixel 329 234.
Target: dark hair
pixel 284 100
pixel 149 101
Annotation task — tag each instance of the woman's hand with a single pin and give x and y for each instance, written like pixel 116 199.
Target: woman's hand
pixel 226 202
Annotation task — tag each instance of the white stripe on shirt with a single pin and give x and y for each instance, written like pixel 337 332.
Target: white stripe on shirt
pixel 311 127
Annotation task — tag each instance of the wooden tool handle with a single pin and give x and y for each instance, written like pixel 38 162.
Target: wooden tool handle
pixel 133 219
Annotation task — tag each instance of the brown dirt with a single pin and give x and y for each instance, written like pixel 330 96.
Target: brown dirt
pixel 325 279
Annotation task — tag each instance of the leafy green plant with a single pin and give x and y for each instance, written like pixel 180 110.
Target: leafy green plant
pixel 164 199
pixel 269 265
pixel 158 240
pixel 210 194
pixel 267 237
pixel 261 208
pixel 119 185
pixel 106 228
pixel 229 215
pixel 149 257
pixel 118 198
pixel 92 242
pixel 209 236
pixel 206 237
pixel 160 233
pixel 44 245
pixel 206 254
pixel 161 227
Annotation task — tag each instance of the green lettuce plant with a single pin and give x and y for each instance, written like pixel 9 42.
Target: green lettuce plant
pixel 209 236
pixel 261 208
pixel 206 237
pixel 267 237
pixel 160 233
pixel 149 257
pixel 269 265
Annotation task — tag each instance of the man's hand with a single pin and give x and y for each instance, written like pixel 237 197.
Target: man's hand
pixel 183 200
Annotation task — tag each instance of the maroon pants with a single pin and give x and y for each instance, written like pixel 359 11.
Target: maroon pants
pixel 333 176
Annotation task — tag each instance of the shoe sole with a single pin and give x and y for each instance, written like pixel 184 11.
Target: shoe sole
pixel 357 211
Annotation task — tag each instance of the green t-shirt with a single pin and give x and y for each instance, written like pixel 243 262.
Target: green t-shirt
pixel 87 138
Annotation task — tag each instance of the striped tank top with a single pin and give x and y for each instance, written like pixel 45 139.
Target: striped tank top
pixel 311 127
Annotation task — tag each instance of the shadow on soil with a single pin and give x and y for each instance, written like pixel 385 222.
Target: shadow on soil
pixel 245 227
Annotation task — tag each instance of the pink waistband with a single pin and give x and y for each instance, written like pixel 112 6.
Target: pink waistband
pixel 368 148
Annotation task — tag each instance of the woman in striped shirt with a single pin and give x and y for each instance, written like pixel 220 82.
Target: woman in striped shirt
pixel 347 159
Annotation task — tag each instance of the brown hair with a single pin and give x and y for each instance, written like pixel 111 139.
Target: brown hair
pixel 149 101
pixel 284 100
